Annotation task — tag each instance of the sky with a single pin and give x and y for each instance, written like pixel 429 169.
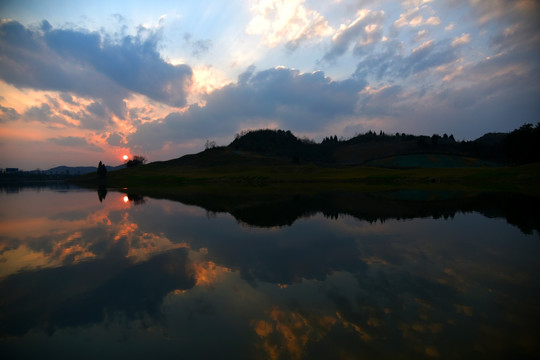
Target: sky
pixel 89 81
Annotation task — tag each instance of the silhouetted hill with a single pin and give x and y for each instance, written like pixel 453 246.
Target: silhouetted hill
pixel 371 159
pixel 225 157
pixel 263 147
pixel 496 139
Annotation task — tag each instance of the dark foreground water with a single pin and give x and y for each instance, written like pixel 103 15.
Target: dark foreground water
pixel 109 275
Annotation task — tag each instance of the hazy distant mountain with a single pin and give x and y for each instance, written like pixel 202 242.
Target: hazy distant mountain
pixel 77 170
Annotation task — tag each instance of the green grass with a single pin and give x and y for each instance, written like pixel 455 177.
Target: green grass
pixel 163 176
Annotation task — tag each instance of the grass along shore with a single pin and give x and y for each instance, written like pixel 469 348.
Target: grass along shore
pixel 521 179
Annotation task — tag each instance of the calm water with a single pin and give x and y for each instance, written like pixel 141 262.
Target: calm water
pixel 331 276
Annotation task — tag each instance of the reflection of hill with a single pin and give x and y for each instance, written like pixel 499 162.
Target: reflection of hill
pixel 270 207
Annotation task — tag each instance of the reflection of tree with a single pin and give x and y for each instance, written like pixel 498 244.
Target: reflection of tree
pixel 102 193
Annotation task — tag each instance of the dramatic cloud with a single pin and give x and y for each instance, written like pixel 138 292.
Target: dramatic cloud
pixel 364 30
pixel 64 112
pixel 134 63
pixel 284 97
pixel 503 101
pixel 161 80
pixel 392 64
pixel 28 62
pixel 44 114
pixel 279 21
pixel 88 64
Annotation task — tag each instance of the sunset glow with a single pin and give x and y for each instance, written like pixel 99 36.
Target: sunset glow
pixel 193 72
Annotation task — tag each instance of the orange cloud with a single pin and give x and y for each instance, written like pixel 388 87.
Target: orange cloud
pixel 206 273
pixel 286 334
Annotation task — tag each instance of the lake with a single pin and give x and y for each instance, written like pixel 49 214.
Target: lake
pixel 265 274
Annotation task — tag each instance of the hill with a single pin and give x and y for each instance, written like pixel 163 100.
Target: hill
pixel 264 147
pixel 76 170
pixel 55 174
pixel 370 161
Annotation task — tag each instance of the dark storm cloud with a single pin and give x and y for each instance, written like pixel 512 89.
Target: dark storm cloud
pixel 89 64
pixel 297 101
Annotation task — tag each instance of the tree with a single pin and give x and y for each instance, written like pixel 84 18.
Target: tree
pixel 523 145
pixel 137 160
pixel 209 145
pixel 101 170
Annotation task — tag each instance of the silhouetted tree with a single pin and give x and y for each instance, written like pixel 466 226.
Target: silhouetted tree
pixel 523 145
pixel 137 160
pixel 422 142
pixel 209 145
pixel 101 170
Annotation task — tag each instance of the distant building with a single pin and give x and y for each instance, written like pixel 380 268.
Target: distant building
pixel 12 170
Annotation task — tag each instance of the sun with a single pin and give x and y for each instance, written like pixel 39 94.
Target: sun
pixel 125 157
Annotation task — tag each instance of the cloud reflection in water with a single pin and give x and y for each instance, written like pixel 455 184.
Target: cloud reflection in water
pixel 164 279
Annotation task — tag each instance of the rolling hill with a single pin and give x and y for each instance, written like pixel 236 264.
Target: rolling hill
pixel 279 147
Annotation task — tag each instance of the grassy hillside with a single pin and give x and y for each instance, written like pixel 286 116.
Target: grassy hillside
pixel 241 169
pixel 370 162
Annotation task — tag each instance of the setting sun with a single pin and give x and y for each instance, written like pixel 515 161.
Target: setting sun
pixel 125 157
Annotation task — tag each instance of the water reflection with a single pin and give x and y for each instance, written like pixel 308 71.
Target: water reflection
pixel 102 193
pixel 272 207
pixel 320 278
